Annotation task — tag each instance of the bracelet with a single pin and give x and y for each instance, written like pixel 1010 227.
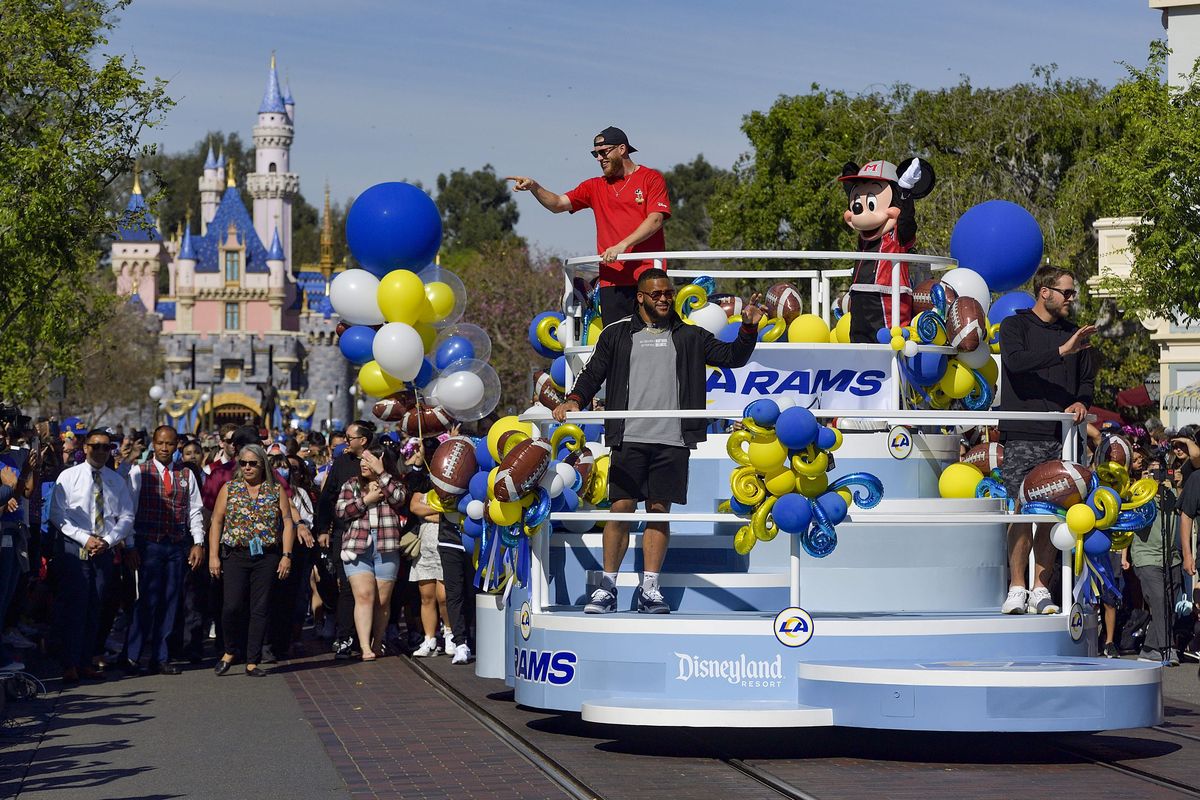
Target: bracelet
pixel 286 555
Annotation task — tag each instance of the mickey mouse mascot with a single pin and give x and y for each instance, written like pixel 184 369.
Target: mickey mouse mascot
pixel 880 210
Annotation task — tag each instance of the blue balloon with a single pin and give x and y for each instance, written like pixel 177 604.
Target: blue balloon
pixel 539 348
pixel 999 240
pixel 834 507
pixel 454 348
pixel 468 541
pixel 1008 304
pixel 729 333
pixel 927 368
pixel 424 375
pixel 592 431
pixel 741 509
pixel 796 428
pixel 393 226
pixel 883 336
pixel 478 485
pixel 826 438
pixel 570 499
pixel 1097 543
pixel 462 503
pixel 355 344
pixel 558 372
pixel 792 513
pixel 563 452
pixel 764 411
pixel 472 528
pixel 484 460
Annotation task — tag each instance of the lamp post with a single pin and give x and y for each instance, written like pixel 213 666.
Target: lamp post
pixel 156 393
pixel 202 417
pixel 329 419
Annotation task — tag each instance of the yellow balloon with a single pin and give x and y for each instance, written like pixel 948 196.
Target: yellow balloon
pixel 504 513
pixel 401 297
pixel 959 480
pixel 808 328
pixel 781 482
pixel 491 483
pixel 767 457
pixel 593 331
pixel 377 383
pixel 959 381
pixel 842 329
pixel 599 480
pixel 744 540
pixel 1081 519
pixel 814 487
pixel 746 486
pixel 428 334
pixel 989 371
pixel 502 426
pixel 441 301
pixel 773 329
pixel 688 299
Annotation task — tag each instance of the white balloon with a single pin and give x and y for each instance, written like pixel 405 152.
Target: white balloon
pixel 430 393
pixel 475 509
pixel 352 295
pixel 567 473
pixel 580 525
pixel 552 482
pixel 969 283
pixel 399 351
pixel 910 349
pixel 711 317
pixel 1061 537
pixel 459 391
pixel 977 357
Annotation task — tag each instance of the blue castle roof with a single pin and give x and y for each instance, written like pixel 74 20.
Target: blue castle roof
pixel 210 162
pixel 312 284
pixel 231 211
pixel 276 251
pixel 221 159
pixel 187 249
pixel 272 102
pixel 288 100
pixel 137 224
pixel 165 309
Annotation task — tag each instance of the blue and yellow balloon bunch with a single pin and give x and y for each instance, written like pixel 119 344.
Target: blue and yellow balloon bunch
pixel 781 482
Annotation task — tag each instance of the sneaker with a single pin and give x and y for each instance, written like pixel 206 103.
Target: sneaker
pixel 603 602
pixel 462 654
pixel 343 649
pixel 428 649
pixel 13 666
pixel 1110 651
pixel 450 648
pixel 1015 602
pixel 1041 602
pixel 1151 655
pixel 1191 650
pixel 652 602
pixel 1172 658
pixel 14 639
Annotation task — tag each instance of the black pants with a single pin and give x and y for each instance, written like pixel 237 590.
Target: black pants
pixel 284 602
pixel 249 581
pixel 617 302
pixel 345 599
pixel 1158 635
pixel 195 617
pixel 457 574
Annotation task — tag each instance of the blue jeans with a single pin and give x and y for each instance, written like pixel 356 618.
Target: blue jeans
pixel 10 572
pixel 79 601
pixel 160 583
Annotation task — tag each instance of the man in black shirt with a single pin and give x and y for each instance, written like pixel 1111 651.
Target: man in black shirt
pixel 1189 506
pixel 1046 365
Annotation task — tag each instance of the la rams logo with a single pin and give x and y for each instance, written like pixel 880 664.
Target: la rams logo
pixel 1075 622
pixel 525 619
pixel 793 627
pixel 900 443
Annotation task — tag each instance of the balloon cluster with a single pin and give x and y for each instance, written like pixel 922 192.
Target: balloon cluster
pixel 781 482
pixel 401 315
pixel 963 480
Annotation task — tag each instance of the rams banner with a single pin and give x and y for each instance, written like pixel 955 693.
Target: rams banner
pixel 863 379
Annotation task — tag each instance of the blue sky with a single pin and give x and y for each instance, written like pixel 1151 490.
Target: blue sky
pixel 394 89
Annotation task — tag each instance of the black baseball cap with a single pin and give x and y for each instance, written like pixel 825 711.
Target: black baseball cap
pixel 613 136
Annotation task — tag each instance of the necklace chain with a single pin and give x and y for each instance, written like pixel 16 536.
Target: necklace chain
pixel 624 183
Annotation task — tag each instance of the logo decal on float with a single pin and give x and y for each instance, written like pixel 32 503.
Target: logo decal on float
pixel 1075 622
pixel 793 627
pixel 524 617
pixel 752 673
pixel 900 443
pixel 553 667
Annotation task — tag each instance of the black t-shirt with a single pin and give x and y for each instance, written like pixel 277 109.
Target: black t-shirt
pixel 1189 498
pixel 448 532
pixel 1036 378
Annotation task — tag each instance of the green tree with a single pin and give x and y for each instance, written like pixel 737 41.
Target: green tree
pixel 690 187
pixel 476 208
pixel 124 358
pixel 71 117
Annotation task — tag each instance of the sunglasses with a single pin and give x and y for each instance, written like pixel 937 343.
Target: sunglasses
pixel 1068 294
pixel 249 463
pixel 603 152
pixel 661 294
pixel 99 445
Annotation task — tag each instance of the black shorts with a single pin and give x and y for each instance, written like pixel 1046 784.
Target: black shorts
pixel 640 471
pixel 617 302
pixel 1021 456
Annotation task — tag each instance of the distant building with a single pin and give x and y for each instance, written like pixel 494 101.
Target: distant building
pixel 240 322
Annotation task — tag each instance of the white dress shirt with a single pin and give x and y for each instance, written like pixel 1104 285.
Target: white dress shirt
pixel 195 504
pixel 72 506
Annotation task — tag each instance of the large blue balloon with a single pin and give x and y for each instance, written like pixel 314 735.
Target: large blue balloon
pixel 425 374
pixel 796 428
pixel 999 240
pixel 478 486
pixel 538 347
pixel 393 226
pixel 1008 304
pixel 730 332
pixel 472 529
pixel 558 372
pixel 355 344
pixel 792 513
pixel 455 348
pixel 485 462
pixel 927 368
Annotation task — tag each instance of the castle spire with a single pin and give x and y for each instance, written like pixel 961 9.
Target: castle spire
pixel 230 181
pixel 137 177
pixel 210 162
pixel 326 263
pixel 272 102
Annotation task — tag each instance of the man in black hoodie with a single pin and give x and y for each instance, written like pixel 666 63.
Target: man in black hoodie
pixel 1047 365
pixel 651 360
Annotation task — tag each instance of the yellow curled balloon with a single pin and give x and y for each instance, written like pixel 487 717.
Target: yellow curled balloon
pixel 745 485
pixel 547 334
pixel 810 463
pixel 762 523
pixel 1143 491
pixel 744 540
pixel 434 501
pixel 568 431
pixel 597 488
pixel 1115 476
pixel 688 299
pixel 1110 506
pixel 775 328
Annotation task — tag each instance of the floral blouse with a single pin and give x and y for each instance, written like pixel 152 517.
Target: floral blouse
pixel 247 517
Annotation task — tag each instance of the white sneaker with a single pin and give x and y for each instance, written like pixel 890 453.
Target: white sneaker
pixel 13 666
pixel 1015 602
pixel 14 639
pixel 1041 602
pixel 450 649
pixel 462 654
pixel 428 649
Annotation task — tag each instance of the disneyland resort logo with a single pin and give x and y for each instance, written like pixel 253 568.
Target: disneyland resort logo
pixel 740 671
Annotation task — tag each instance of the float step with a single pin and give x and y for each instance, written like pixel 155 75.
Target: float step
pixel 705 714
pixel 703 592
pixel 687 552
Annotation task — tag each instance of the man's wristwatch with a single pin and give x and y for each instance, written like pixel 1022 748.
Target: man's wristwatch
pixel 286 555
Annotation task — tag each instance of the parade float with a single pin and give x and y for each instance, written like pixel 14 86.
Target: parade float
pixel 836 563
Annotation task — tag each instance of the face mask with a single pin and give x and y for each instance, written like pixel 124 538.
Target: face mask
pixel 283 472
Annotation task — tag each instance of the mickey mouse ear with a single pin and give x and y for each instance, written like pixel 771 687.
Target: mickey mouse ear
pixel 925 184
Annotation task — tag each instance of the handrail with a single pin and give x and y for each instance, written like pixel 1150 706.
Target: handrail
pixel 538 414
pixel 859 516
pixel 772 255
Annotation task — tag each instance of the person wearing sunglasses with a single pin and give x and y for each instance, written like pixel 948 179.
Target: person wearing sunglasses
pixel 1048 365
pixel 630 204
pixel 250 542
pixel 650 456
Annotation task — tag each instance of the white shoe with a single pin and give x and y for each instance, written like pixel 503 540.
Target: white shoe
pixel 462 654
pixel 1015 602
pixel 428 649
pixel 13 666
pixel 1042 602
pixel 450 649
pixel 14 639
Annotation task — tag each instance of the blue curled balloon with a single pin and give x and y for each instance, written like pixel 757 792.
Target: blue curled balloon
pixel 821 538
pixel 929 326
pixel 707 283
pixel 510 535
pixel 990 487
pixel 869 489
pixel 981 397
pixel 1043 507
pixel 592 311
pixel 539 512
pixel 1135 519
pixel 937 296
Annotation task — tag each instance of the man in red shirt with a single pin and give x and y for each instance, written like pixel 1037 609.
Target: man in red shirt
pixel 630 203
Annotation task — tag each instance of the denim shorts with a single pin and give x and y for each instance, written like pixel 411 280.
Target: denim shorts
pixel 384 566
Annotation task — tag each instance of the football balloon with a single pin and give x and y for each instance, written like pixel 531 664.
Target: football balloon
pixel 966 324
pixel 783 300
pixel 453 465
pixel 1062 482
pixel 393 407
pixel 428 421
pixel 521 469
pixel 987 456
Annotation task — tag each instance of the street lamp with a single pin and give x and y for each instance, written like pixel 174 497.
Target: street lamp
pixel 202 420
pixel 329 419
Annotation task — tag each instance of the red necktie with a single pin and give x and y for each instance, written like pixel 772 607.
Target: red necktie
pixel 168 486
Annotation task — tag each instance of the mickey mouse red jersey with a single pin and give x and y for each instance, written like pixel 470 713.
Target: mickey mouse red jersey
pixel 871 289
pixel 620 206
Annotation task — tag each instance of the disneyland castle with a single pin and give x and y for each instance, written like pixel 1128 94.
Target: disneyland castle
pixel 246 333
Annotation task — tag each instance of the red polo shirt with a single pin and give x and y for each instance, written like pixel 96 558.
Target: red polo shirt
pixel 620 206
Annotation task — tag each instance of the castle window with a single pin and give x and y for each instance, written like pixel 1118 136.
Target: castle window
pixel 271 167
pixel 233 265
pixel 232 317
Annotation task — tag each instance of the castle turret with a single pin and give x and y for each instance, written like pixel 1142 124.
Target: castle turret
pixel 272 185
pixel 289 103
pixel 137 251
pixel 185 279
pixel 221 165
pixel 210 190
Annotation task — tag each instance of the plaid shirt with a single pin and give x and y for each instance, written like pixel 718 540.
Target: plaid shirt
pixel 392 515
